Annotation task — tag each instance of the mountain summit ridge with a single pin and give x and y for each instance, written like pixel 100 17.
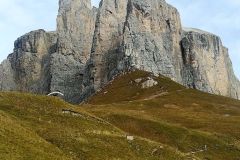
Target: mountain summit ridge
pixel 93 45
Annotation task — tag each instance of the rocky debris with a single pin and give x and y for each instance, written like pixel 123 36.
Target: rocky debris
pixel 146 82
pixel 83 116
pixel 130 138
pixel 149 83
pixel 205 148
pixel 73 113
pixel 138 80
pixel 92 46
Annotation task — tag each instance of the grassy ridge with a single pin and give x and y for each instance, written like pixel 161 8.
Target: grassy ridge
pixel 168 122
pixel 34 127
pixel 191 121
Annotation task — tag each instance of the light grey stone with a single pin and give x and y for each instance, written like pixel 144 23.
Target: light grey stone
pixel 207 65
pixel 149 83
pixel 7 82
pixel 91 46
pixel 138 80
pixel 29 62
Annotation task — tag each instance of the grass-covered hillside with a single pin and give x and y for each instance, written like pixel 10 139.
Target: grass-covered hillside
pixel 125 121
pixel 192 122
pixel 40 128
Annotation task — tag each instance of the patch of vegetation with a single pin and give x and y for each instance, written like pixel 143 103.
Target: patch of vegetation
pixel 167 121
pixel 125 88
pixel 39 127
pixel 188 120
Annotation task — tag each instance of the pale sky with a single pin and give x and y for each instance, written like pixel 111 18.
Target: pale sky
pixel 18 17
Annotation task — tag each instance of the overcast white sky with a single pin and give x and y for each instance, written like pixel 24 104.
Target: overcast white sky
pixel 18 17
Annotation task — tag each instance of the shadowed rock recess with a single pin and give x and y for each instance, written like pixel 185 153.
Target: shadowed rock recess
pixel 93 45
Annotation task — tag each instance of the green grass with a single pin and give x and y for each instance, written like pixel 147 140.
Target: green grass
pixel 185 119
pixel 124 88
pixel 34 127
pixel 168 122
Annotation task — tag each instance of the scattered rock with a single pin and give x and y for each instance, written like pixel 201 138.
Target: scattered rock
pixel 83 116
pixel 105 92
pixel 149 83
pixel 73 113
pixel 138 80
pixel 130 138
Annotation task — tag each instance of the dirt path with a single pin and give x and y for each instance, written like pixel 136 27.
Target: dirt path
pixel 160 94
pixel 156 95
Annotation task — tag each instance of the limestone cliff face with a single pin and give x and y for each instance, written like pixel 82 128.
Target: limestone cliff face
pixel 151 38
pixel 75 28
pixel 7 82
pixel 92 45
pixel 106 49
pixel 207 66
pixel 27 68
pixel 136 34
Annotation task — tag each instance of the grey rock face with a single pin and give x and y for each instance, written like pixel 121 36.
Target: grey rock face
pixel 151 38
pixel 207 66
pixel 136 34
pixel 28 65
pixel 7 82
pixel 91 46
pixel 106 50
pixel 75 28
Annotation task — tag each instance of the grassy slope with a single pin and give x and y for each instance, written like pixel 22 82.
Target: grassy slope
pixel 168 122
pixel 185 119
pixel 34 127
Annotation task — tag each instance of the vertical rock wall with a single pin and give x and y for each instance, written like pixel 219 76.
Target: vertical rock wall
pixel 75 28
pixel 92 45
pixel 106 50
pixel 151 38
pixel 7 81
pixel 29 62
pixel 136 34
pixel 207 66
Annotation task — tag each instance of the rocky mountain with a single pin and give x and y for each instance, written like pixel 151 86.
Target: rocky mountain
pixel 93 45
